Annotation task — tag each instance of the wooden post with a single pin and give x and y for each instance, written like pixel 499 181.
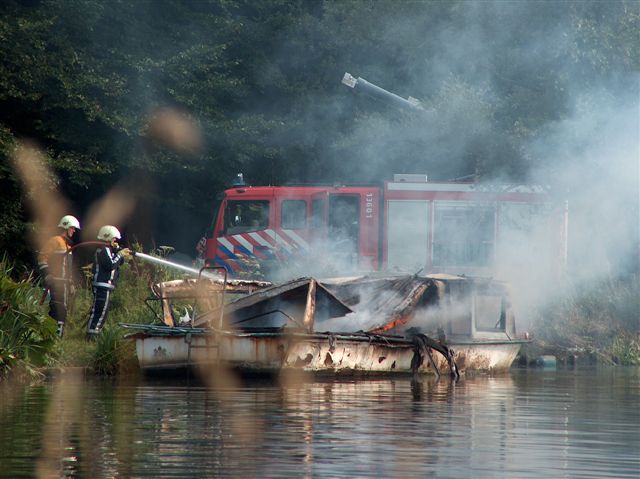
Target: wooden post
pixel 310 309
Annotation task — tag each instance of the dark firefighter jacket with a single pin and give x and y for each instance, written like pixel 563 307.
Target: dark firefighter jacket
pixel 105 267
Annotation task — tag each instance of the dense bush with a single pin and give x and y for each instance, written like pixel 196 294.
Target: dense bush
pixel 27 333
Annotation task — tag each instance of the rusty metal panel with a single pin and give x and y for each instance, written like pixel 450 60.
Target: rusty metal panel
pixel 161 352
pixel 351 356
pixel 314 353
pixel 490 357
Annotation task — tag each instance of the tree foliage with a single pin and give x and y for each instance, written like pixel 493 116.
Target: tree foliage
pixel 261 80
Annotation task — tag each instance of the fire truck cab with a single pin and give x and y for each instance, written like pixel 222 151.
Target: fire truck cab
pixel 407 225
pixel 284 226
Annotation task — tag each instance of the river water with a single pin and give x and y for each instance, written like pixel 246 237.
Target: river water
pixel 529 423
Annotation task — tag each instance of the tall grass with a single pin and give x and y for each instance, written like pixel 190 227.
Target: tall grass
pixel 111 352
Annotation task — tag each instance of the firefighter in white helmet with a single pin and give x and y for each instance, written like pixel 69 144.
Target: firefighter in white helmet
pixel 106 265
pixel 54 263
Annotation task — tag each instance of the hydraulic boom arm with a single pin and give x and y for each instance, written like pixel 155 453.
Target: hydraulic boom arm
pixel 375 91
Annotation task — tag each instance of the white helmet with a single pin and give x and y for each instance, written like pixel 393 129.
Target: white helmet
pixel 69 221
pixel 108 233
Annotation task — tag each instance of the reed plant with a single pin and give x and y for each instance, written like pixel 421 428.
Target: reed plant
pixel 113 353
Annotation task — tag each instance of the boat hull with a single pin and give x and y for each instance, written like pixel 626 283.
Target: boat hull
pixel 318 353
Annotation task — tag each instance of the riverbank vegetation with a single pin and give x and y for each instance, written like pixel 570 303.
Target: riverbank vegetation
pixel 598 325
pixel 599 322
pixel 28 341
pixel 27 333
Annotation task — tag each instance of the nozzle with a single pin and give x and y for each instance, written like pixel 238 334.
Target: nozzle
pixel 349 80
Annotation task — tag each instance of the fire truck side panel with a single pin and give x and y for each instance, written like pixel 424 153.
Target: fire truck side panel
pixel 463 237
pixel 472 229
pixel 369 244
pixel 353 226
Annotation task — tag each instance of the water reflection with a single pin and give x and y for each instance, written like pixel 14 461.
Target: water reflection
pixel 527 424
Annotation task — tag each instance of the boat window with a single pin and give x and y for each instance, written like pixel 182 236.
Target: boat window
pixel 245 216
pixel 463 235
pixel 293 214
pixel 457 308
pixel 490 313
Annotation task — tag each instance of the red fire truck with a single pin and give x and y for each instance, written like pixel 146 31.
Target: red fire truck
pixel 406 225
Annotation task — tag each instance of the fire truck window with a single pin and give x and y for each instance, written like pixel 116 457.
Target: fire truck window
pixel 344 219
pixel 294 214
pixel 463 235
pixel 317 218
pixel 245 216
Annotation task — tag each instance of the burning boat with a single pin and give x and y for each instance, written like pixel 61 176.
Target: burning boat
pixel 365 324
pixel 473 317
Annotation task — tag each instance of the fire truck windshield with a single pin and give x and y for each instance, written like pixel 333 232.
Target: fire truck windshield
pixel 245 215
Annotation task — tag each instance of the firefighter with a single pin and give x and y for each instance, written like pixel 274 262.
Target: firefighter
pixel 201 249
pixel 54 263
pixel 107 261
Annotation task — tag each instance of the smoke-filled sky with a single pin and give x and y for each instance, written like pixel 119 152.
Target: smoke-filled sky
pixel 580 137
pixel 588 151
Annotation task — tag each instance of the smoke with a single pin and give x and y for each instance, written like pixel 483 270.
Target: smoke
pixel 366 315
pixel 590 159
pixel 597 154
pixel 579 138
pixel 533 93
